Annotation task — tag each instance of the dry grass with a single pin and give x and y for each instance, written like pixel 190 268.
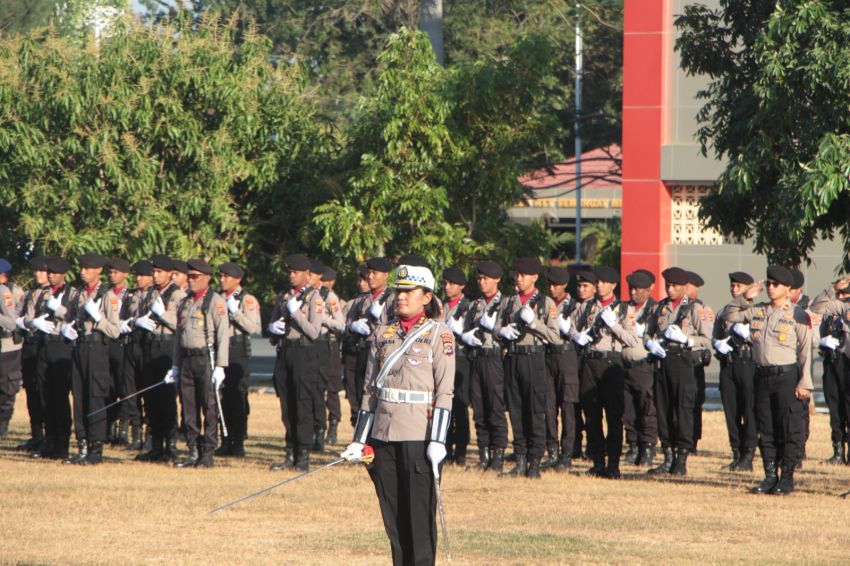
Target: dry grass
pixel 132 513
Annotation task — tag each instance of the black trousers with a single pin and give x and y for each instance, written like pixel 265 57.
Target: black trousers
pixel 525 384
pixel 354 366
pixel 334 382
pixel 53 371
pixel 197 395
pixel 131 381
pixel 458 436
pixel 603 390
pixel 779 413
pixel 562 394
pixel 11 378
pixel 837 394
pixel 297 383
pixel 91 384
pixel 404 483
pixel 160 402
pixel 675 400
pixel 699 374
pixel 487 394
pixel 29 362
pixel 737 391
pixel 320 422
pixel 116 373
pixel 234 393
pixel 640 419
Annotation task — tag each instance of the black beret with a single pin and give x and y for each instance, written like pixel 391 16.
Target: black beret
pixel 527 265
pixel 180 265
pixel 5 266
pixel 695 279
pixel 143 267
pixel 648 273
pixel 675 275
pixel 297 262
pixel 362 271
pixel 329 274
pixel 413 260
pixel 39 263
pixel 316 266
pixel 780 275
pixel 163 262
pixel 119 264
pixel 741 277
pixel 639 280
pixel 454 275
pixel 230 268
pixel 92 261
pixel 605 273
pixel 799 278
pixel 490 269
pixel 57 265
pixel 586 276
pixel 381 264
pixel 558 275
pixel 200 265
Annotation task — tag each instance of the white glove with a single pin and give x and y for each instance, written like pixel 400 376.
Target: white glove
pixel 456 325
pixel 361 326
pixel 20 323
pixel 470 339
pixel 41 323
pixel 488 321
pixel 830 342
pixel 640 329
pixel 145 323
pixel 232 304
pixel 172 375
pixel 158 307
pixel 564 325
pixel 742 330
pixel 526 314
pixel 353 452
pixel 54 303
pixel 218 377
pixel 655 348
pixel 722 346
pixel 582 339
pixel 93 309
pixel 293 304
pixel 608 317
pixel 124 327
pixel 376 309
pixel 509 332
pixel 69 332
pixel 436 453
pixel 675 334
pixel 277 327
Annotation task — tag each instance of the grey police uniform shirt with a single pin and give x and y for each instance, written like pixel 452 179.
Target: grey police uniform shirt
pixel 543 329
pixel 167 323
pixel 610 339
pixel 480 307
pixel 306 321
pixel 246 320
pixel 196 328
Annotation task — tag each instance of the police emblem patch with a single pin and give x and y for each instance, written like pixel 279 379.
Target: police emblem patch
pixel 448 343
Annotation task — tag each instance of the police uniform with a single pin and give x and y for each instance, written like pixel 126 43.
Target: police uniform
pixel 118 416
pixel 835 383
pixel 11 376
pixel 201 352
pixel 702 358
pixel 29 356
pixel 454 315
pixel 335 324
pixel 803 301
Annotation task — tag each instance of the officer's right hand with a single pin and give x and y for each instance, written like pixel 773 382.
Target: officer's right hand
pixel 456 325
pixel 564 325
pixel 376 310
pixel 509 332
pixel 722 346
pixel 655 348
pixel 742 330
pixel 640 329
pixel 830 342
pixel 172 375
pixel 582 338
pixel 43 325
pixel 361 326
pixel 124 327
pixel 68 331
pixel 54 303
pixel 353 452
pixel 232 304
pixel 470 339
pixel 158 307
pixel 277 327
pixel 20 322
pixel 488 321
pixel 145 323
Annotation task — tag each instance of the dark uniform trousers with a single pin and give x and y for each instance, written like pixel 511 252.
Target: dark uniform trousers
pixel 237 380
pixel 334 381
pixel 11 376
pixel 116 372
pixel 699 374
pixel 487 394
pixel 737 392
pixel 458 436
pixel 602 389
pixel 354 365
pixel 131 381
pixel 160 402
pixel 323 351
pixel 405 487
pixel 91 384
pixel 837 394
pixel 640 420
pixel 197 395
pixel 29 362
pixel 779 413
pixel 297 383
pixel 562 395
pixel 675 400
pixel 53 369
pixel 525 384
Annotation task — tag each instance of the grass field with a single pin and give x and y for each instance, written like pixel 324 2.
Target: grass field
pixel 124 512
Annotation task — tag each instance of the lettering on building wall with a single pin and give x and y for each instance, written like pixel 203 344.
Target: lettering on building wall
pixel 570 203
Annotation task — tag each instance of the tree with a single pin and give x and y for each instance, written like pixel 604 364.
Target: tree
pixel 20 16
pixel 776 108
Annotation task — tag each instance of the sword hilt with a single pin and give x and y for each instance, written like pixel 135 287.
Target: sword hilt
pixel 368 455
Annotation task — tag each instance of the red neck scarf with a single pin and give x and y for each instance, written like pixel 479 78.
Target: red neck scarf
pixel 408 322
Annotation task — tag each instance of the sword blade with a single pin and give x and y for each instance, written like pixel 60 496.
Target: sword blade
pixel 119 401
pixel 442 518
pixel 220 412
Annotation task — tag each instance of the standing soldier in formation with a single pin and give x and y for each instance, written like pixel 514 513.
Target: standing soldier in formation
pixel 180 274
pixel 454 311
pixel 737 379
pixel 336 325
pixel 680 326
pixel 297 320
pixel 782 343
pixel 833 347
pixel 639 417
pixel 330 323
pixel 800 299
pixel 118 417
pixel 702 356
pixel 562 381
pixel 586 294
pixel 201 350
pixel 11 376
pixel 486 372
pixel 244 320
pixel 529 322
pixel 353 345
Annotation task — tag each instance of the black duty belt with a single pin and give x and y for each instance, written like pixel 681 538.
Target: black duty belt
pixel 158 337
pixel 484 352
pixel 744 353
pixel 240 339
pixel 601 355
pixel 559 348
pixel 525 350
pixel 93 338
pixel 676 347
pixel 637 363
pixel 775 370
pixel 289 342
pixel 194 352
pixel 53 338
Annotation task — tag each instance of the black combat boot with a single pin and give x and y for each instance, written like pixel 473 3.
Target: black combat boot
pixel 60 447
pixel 646 454
pixel 302 460
pixel 612 471
pixel 632 454
pixel 237 448
pixel 799 465
pixel 785 485
pixel 552 460
pixel 319 441
pixel 156 451
pixel 287 462
pixel 564 463
pixel 206 460
pixel 111 432
pixel 45 451
pixel 483 458
pixel 533 468
pixel 745 464
pixel 460 456
pixel 147 439
pixel 497 460
pixel 35 441
pixel 190 460
pixel 666 465
pixel 770 480
pixel 122 438
pixel 837 454
pixel 520 468
pixel 135 439
pixel 169 454
pixel 4 427
pixel 80 456
pixel 331 437
pixel 95 455
pixel 598 468
pixel 680 464
pixel 226 448
pixel 733 465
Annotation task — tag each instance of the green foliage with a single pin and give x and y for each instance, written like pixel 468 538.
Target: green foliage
pixel 20 16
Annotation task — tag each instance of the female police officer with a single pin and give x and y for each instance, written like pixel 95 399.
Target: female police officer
pixel 405 414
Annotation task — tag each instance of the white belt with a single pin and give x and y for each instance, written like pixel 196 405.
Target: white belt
pixel 391 395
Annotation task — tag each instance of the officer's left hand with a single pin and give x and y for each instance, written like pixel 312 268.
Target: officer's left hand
pixel 158 307
pixel 436 452
pixel 582 338
pixel 68 331
pixel 742 330
pixel 218 377
pixel 640 329
pixel 20 322
pixel 655 348
pixel 232 304
pixel 608 317
pixel 509 332
pixel 293 304
pixel 722 346
pixel 93 309
pixel 830 342
pixel 675 334
pixel 124 327
pixel 801 393
pixel 488 321
pixel 376 309
pixel 145 323
pixel 526 314
pixel 456 325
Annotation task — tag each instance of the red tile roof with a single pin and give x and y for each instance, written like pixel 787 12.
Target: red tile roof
pixel 600 168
